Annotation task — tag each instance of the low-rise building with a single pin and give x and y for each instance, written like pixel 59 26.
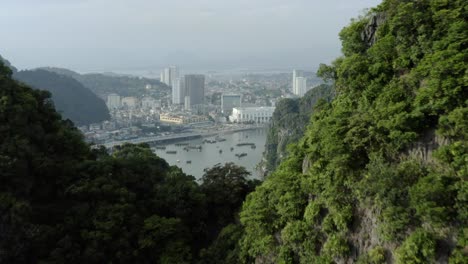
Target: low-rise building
pixel 251 114
pixel 182 120
pixel 129 102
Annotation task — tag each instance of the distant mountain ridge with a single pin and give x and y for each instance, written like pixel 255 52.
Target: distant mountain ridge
pixel 70 97
pixel 103 84
pixel 8 64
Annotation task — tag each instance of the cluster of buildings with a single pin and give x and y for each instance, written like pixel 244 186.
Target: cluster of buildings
pixel 188 90
pixel 115 101
pixel 197 101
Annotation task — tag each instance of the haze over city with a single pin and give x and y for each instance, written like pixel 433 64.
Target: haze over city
pixel 125 36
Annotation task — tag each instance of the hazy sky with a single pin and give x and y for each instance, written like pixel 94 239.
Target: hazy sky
pixel 104 35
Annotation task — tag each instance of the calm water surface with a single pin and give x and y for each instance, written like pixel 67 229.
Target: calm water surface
pixel 211 155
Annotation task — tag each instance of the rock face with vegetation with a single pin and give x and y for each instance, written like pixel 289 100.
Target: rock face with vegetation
pixel 289 122
pixel 63 202
pixel 71 98
pixel 380 175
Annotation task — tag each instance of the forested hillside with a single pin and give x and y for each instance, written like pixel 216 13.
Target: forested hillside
pixel 289 122
pixel 380 175
pixel 71 98
pixel 62 202
pixel 103 84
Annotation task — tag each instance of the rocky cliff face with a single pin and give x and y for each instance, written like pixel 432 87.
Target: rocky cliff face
pixel 289 123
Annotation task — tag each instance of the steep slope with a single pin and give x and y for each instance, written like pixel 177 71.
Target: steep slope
pixel 289 122
pixel 8 64
pixel 381 173
pixel 72 100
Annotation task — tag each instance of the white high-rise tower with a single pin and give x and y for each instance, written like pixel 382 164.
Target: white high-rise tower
pixel 168 75
pixel 297 74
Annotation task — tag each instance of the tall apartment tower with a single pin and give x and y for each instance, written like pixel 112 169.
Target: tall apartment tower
pixel 296 74
pixel 301 86
pixel 169 74
pixel 194 89
pixel 178 91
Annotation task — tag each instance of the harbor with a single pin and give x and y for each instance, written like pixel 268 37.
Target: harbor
pixel 244 148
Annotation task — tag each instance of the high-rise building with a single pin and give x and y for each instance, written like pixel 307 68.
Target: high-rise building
pixel 229 101
pixel 296 73
pixel 178 91
pixel 301 86
pixel 113 101
pixel 194 89
pixel 168 75
pixel 299 83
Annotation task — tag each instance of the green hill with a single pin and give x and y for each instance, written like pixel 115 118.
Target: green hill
pixel 104 84
pixel 380 175
pixel 63 202
pixel 289 122
pixel 71 98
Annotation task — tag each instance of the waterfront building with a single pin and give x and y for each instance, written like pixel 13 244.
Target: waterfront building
pixel 229 101
pixel 182 120
pixel 252 114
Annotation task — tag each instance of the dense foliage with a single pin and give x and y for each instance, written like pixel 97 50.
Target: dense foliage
pixel 289 123
pixel 381 173
pixel 104 84
pixel 71 98
pixel 63 202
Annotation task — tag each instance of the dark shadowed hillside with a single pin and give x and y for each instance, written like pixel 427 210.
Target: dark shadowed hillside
pixel 71 98
pixel 104 84
pixel 289 122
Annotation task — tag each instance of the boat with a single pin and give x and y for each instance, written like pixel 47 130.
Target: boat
pixel 220 139
pixel 189 162
pixel 160 147
pixel 241 155
pixel 181 144
pixel 178 161
pixel 232 148
pixel 253 147
pixel 220 151
pixel 171 152
pixel 245 144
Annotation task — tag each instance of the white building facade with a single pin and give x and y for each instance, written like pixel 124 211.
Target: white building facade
pixel 169 74
pixel 113 101
pixel 301 86
pixel 251 114
pixel 178 91
pixel 299 83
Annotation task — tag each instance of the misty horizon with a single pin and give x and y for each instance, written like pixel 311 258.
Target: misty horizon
pixel 117 36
